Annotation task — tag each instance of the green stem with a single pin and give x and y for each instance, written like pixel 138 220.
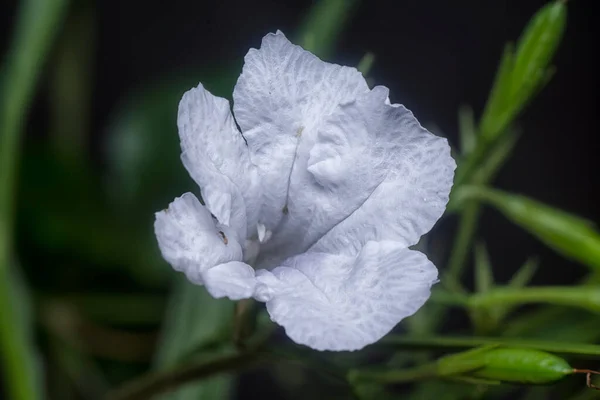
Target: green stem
pixel 37 23
pixel 587 297
pixel 448 342
pixel 461 246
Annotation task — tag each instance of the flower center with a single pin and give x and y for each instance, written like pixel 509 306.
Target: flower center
pixel 252 245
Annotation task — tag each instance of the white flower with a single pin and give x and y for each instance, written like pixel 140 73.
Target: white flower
pixel 322 193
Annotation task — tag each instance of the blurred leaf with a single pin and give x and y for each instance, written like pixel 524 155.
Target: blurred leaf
pixel 453 342
pixel 323 25
pixel 373 391
pixel 537 46
pixel 586 297
pixel 520 279
pixel 521 75
pixel 195 320
pixel 497 156
pixel 524 72
pixel 462 243
pixel 75 219
pixel 500 93
pixel 584 394
pixel 523 276
pixel 567 234
pixel 143 153
pixel 114 308
pixel 443 390
pixel 365 63
pixel 484 278
pixel 466 129
pixel 554 323
pixel 485 319
pixel 82 371
pixel 22 366
pixel 35 28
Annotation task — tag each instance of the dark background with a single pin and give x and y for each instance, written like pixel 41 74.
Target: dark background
pixel 433 55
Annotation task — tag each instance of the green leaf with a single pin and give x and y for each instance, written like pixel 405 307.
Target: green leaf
pixel 523 73
pixel 35 28
pixel 499 95
pixel 537 46
pixel 460 363
pixel 195 320
pixel 521 365
pixel 23 368
pixel 567 234
pixel 523 276
pixel 323 25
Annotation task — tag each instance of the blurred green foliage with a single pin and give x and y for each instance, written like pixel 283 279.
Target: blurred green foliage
pixel 94 228
pixel 193 321
pixel 568 234
pixel 34 32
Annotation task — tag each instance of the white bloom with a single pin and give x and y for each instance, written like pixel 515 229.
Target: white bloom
pixel 322 194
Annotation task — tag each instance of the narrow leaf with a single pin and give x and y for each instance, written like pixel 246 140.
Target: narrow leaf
pixel 35 28
pixel 499 95
pixel 21 365
pixel 365 63
pixel 538 44
pixel 567 234
pixel 466 129
pixel 484 278
pixel 523 276
pixel 323 25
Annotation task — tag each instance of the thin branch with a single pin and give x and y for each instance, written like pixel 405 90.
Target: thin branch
pixel 160 382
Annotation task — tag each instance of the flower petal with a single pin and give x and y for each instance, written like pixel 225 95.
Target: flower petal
pixel 373 174
pixel 378 153
pixel 340 302
pixel 234 280
pixel 207 252
pixel 283 94
pixel 216 156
